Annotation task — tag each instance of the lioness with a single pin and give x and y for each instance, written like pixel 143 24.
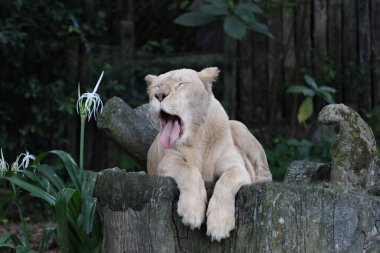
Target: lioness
pixel 197 143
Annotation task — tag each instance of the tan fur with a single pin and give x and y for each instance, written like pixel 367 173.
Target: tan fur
pixel 211 147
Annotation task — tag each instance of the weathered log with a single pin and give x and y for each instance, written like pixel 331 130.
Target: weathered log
pixel 138 214
pixel 131 129
pixel 354 163
pixel 307 172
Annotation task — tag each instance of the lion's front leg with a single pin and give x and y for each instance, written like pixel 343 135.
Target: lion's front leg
pixel 193 197
pixel 221 208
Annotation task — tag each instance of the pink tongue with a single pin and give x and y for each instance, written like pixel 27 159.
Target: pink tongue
pixel 170 133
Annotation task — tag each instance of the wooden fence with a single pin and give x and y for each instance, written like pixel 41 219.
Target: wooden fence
pixel 335 41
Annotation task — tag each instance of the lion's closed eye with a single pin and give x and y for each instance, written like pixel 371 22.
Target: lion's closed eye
pixel 183 83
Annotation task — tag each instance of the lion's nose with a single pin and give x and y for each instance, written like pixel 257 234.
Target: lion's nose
pixel 160 96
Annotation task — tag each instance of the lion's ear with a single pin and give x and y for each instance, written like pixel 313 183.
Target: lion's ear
pixel 208 76
pixel 149 79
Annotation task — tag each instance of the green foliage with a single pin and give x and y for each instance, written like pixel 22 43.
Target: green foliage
pixel 286 150
pixel 77 224
pixel 311 89
pixel 38 73
pixel 151 47
pixel 237 17
pixel 372 117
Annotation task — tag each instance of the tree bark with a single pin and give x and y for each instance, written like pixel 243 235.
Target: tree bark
pixel 133 130
pixel 138 214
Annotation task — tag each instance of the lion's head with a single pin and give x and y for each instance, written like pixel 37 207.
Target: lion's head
pixel 179 99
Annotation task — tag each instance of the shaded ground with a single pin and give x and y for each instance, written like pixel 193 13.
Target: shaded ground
pixel 35 233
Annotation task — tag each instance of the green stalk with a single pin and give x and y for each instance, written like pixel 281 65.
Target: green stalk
pixel 81 151
pixel 25 229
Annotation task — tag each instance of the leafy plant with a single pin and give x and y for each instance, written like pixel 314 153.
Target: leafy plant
pixel 286 150
pixel 310 90
pixel 237 17
pixel 78 226
pixel 372 117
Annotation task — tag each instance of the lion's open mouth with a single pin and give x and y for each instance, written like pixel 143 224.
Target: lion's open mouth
pixel 172 129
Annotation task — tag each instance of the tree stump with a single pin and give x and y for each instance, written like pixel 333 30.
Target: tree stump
pixel 139 214
pixel 307 213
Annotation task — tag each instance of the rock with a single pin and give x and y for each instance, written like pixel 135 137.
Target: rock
pixel 354 156
pixel 131 129
pixel 306 172
pixel 138 214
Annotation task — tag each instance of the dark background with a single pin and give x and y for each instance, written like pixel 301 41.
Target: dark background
pixel 47 47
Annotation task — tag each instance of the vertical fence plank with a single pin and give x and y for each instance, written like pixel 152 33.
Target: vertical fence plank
pixel 289 60
pixel 364 53
pixel 375 50
pixel 275 69
pixel 303 36
pixel 349 52
pixel 245 103
pixel 229 76
pixel 260 76
pixel 319 34
pixel 334 43
pixel 303 46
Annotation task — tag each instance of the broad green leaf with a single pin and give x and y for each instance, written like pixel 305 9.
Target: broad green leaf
pixel 250 7
pixel 40 157
pixel 43 182
pixel 88 184
pixel 304 148
pixel 218 3
pixel 234 27
pixel 262 28
pixel 46 238
pixel 36 191
pixel 50 174
pixel 62 224
pixel 214 10
pixel 22 249
pixel 194 18
pixel 307 92
pixel 88 201
pixel 293 142
pixel 245 15
pixel 4 237
pixel 273 11
pixel 6 245
pixel 305 110
pixel 327 89
pixel 310 81
pixel 89 214
pixel 327 97
pixel 72 168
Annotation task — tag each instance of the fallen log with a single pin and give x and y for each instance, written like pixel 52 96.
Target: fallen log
pixel 318 207
pixel 138 214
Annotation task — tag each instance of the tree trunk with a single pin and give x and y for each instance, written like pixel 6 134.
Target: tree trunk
pixel 138 214
pixel 133 130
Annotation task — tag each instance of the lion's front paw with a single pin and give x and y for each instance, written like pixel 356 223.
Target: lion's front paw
pixel 220 219
pixel 192 209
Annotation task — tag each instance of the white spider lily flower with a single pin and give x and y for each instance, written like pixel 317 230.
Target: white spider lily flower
pixel 20 167
pixel 4 166
pixel 15 167
pixel 89 103
pixel 26 157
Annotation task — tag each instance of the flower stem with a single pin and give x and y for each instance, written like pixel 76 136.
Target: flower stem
pixel 25 229
pixel 81 151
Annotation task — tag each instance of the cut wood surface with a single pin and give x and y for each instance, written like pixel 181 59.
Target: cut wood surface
pixel 138 214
